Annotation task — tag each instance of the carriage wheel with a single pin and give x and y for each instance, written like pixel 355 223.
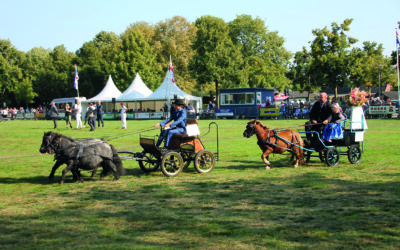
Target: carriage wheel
pixel 171 164
pixel 354 154
pixel 332 157
pixel 186 159
pixel 149 163
pixel 204 162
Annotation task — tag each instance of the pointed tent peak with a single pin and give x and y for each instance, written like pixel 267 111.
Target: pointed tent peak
pixel 168 90
pixel 137 89
pixel 109 91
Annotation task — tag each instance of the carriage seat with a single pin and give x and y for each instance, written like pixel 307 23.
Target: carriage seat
pixel 192 129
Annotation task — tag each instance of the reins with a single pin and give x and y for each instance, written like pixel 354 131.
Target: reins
pixel 117 137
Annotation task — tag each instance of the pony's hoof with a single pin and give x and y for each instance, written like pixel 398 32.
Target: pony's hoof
pixel 295 166
pixel 115 179
pixel 61 182
pixel 267 168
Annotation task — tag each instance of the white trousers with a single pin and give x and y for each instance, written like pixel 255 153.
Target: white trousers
pixel 78 121
pixel 123 119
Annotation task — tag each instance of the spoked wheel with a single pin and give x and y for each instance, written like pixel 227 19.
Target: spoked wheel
pixel 332 157
pixel 171 164
pixel 204 162
pixel 354 154
pixel 186 159
pixel 149 163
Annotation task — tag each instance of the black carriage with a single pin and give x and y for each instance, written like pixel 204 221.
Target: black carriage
pixel 182 151
pixel 352 143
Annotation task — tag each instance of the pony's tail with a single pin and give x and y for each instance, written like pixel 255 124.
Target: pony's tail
pixel 117 161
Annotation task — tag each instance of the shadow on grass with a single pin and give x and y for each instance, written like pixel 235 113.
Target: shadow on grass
pixel 308 210
pixel 244 164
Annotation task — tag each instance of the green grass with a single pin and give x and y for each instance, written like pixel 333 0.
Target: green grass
pixel 239 205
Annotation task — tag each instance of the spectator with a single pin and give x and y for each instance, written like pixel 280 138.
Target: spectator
pixel 99 111
pixel 190 110
pixel 165 110
pixel 68 114
pixel 210 107
pixel 92 119
pixel 123 115
pixel 78 113
pixel 54 114
pixel 263 104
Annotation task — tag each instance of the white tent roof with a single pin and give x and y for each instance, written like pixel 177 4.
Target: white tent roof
pixel 109 91
pixel 168 90
pixel 136 90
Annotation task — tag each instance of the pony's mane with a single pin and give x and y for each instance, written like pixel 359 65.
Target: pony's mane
pixel 58 135
pixel 257 122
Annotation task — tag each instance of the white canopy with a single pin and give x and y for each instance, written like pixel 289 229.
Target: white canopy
pixel 136 90
pixel 168 90
pixel 109 92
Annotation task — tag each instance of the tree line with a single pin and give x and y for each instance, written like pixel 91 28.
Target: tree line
pixel 207 55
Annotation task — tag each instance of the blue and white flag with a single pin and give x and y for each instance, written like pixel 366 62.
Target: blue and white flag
pixel 76 78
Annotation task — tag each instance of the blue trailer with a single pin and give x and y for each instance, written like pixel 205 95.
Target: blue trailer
pixel 243 102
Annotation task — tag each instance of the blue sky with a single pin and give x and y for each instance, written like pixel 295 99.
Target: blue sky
pixel 45 23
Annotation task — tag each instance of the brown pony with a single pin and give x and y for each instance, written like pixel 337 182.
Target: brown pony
pixel 270 141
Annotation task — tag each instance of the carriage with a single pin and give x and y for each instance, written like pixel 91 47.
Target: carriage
pixel 182 151
pixel 303 145
pixel 351 145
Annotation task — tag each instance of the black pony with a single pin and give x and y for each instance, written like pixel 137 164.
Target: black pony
pixel 88 154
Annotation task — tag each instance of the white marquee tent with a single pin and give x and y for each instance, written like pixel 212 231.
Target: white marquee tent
pixel 109 92
pixel 168 90
pixel 136 90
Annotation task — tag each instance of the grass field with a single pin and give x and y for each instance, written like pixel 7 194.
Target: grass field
pixel 239 205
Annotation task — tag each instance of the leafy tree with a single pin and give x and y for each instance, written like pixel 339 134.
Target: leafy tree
pixel 174 37
pixel 136 55
pixel 96 60
pixel 265 60
pixel 15 89
pixel 55 79
pixel 216 59
pixel 301 75
pixel 330 55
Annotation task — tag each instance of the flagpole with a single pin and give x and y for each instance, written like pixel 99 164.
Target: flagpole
pixel 76 78
pixel 398 80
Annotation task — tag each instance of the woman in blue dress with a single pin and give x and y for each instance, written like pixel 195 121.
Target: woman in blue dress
pixel 334 129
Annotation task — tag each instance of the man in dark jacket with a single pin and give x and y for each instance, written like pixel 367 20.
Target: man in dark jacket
pixel 99 110
pixel 320 114
pixel 54 114
pixel 176 127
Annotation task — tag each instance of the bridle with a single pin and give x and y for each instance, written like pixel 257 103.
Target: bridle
pixel 49 143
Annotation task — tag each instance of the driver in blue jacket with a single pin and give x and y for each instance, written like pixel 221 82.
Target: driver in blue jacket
pixel 176 127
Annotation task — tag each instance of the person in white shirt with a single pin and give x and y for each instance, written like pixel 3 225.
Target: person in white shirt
pixel 78 112
pixel 123 115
